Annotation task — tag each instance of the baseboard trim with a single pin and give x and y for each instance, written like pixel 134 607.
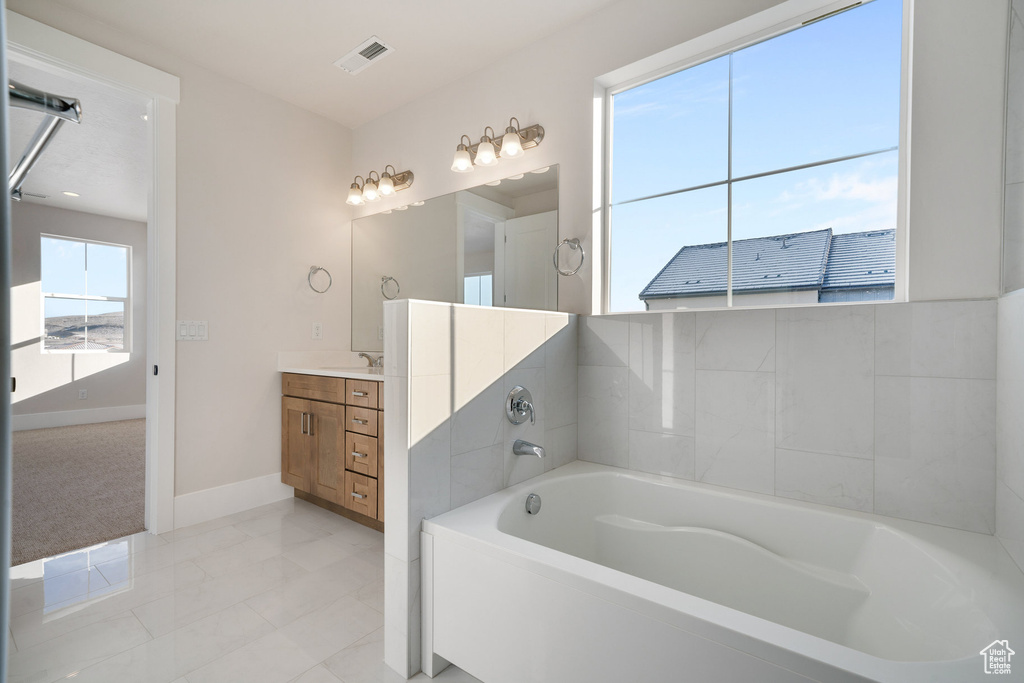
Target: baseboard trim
pixel 64 418
pixel 202 506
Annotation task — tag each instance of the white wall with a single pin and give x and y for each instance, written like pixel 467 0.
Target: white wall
pixel 552 83
pixel 1010 427
pixel 260 198
pixel 49 383
pixel 448 368
pixel 956 146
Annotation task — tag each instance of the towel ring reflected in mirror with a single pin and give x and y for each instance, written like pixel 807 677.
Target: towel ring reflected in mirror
pixel 316 279
pixel 574 244
pixel 389 287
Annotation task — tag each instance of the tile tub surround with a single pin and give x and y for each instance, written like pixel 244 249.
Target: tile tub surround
pixel 282 593
pixel 1010 427
pixel 886 408
pixel 447 441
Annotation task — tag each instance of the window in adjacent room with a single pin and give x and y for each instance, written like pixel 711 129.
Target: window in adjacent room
pixel 479 289
pixel 767 175
pixel 86 289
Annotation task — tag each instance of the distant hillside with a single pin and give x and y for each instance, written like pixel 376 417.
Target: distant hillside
pixel 75 332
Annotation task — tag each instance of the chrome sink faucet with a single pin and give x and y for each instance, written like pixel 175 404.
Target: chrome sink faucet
pixel 372 362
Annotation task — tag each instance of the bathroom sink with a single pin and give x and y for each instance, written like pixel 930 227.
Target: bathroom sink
pixel 357 369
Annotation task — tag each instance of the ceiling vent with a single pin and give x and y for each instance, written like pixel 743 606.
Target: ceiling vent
pixel 369 51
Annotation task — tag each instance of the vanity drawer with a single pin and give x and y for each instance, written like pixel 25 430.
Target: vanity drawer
pixel 360 494
pixel 315 387
pixel 362 393
pixel 361 420
pixel 361 454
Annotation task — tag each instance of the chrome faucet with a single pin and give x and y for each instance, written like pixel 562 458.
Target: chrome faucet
pixel 372 362
pixel 521 447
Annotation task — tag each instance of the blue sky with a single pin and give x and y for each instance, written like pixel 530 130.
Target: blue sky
pixel 826 90
pixel 63 271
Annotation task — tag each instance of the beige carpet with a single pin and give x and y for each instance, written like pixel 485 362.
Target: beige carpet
pixel 77 486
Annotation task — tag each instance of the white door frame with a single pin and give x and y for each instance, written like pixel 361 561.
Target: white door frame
pixel 47 48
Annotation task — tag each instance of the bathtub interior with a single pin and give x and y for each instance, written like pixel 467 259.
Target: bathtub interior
pixel 850 580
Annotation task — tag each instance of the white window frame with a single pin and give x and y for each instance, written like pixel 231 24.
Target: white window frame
pixel 756 28
pixel 125 300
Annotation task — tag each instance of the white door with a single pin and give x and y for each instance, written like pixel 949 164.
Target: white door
pixel 530 278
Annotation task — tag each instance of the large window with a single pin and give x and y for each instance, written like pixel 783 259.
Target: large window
pixel 764 176
pixel 86 288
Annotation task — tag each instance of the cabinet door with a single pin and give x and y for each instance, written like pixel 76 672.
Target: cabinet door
pixel 361 494
pixel 296 447
pixel 328 438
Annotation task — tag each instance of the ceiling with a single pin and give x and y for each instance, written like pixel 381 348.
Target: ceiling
pixel 104 159
pixel 288 49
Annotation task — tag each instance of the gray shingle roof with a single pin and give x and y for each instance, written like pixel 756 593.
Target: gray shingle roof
pixel 861 259
pixel 797 261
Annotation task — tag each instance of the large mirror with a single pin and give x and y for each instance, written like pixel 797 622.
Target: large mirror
pixel 489 245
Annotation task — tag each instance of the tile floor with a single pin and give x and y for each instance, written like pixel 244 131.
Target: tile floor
pixel 283 593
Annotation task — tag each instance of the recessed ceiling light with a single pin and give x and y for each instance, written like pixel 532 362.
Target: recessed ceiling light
pixel 145 117
pixel 72 194
pixel 540 170
pixel 493 183
pixel 419 203
pixel 401 208
pixel 517 176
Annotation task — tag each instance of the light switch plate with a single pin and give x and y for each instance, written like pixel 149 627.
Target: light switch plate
pixel 192 330
pixel 318 331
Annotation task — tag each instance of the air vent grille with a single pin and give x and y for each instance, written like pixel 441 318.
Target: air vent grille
pixel 370 50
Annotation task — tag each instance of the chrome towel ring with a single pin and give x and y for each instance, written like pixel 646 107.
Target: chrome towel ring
pixel 314 271
pixel 385 288
pixel 574 244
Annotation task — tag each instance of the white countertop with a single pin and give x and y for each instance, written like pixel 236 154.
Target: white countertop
pixel 374 374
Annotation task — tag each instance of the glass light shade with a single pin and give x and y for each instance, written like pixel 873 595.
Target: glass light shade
pixel 462 163
pixel 485 155
pixel 370 193
pixel 511 145
pixel 386 186
pixel 355 195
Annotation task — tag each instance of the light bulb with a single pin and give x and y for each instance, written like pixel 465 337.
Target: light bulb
pixel 355 195
pixel 485 155
pixel 511 145
pixel 370 193
pixel 462 162
pixel 386 186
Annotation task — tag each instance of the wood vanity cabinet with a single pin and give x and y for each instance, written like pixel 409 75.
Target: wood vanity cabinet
pixel 332 444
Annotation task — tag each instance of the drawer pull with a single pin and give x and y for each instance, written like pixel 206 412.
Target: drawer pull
pixel 357 495
pixel 360 455
pixel 360 393
pixel 360 422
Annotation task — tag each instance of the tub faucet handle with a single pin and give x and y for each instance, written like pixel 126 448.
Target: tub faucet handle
pixel 518 403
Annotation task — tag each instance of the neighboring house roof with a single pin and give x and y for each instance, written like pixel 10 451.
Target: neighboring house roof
pixel 802 260
pixel 861 259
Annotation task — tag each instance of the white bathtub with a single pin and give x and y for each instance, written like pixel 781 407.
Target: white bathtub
pixel 629 577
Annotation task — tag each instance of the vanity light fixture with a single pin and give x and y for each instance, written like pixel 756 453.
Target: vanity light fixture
pixel 487 152
pixel 371 188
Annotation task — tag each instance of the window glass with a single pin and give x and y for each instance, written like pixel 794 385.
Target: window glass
pixel 85 295
pixel 672 133
pixel 801 193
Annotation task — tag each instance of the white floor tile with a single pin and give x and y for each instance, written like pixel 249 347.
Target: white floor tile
pixel 318 674
pixel 274 658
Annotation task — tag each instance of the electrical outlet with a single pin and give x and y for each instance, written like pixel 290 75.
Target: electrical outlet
pixel 83 394
pixel 318 331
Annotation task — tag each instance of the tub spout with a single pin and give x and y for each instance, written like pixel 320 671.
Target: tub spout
pixel 521 447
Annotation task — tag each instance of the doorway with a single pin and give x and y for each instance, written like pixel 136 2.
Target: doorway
pixel 53 52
